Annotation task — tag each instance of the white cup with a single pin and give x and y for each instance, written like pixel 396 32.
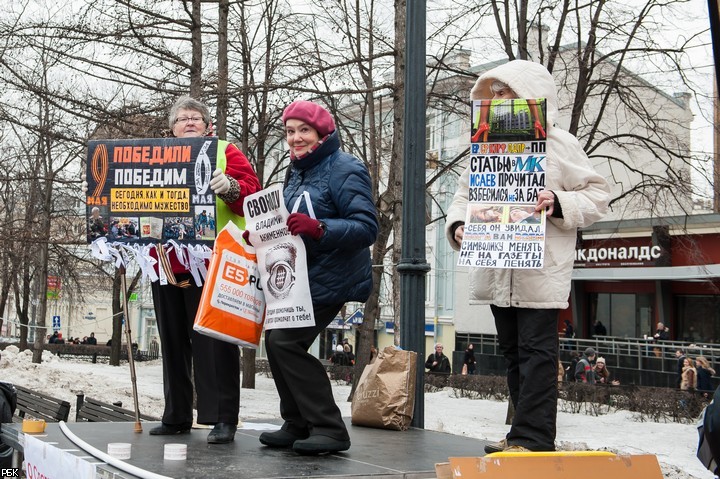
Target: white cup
pixel 119 450
pixel 175 452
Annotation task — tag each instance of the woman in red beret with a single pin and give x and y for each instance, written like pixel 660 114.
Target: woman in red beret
pixel 337 242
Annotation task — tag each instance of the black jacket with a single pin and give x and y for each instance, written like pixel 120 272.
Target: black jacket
pixel 442 366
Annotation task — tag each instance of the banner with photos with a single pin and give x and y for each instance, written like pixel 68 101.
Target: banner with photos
pixel 145 192
pixel 151 190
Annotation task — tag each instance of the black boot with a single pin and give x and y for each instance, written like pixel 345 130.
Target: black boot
pixel 222 433
pixel 170 429
pixel 279 438
pixel 318 444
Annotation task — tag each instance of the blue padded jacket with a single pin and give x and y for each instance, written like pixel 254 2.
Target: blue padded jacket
pixel 341 194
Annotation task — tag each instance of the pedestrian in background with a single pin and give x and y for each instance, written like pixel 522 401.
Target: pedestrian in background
pixel 705 372
pixel 469 359
pixel 437 362
pixel 584 371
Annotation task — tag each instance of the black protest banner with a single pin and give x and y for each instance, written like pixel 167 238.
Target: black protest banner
pixel 151 190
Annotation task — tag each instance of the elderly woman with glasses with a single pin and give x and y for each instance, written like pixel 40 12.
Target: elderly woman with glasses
pixel 216 363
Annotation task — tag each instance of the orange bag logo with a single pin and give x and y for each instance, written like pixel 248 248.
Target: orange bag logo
pixel 239 275
pixel 236 274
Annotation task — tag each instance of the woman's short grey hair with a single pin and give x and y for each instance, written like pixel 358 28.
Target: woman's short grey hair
pixel 187 102
pixel 497 86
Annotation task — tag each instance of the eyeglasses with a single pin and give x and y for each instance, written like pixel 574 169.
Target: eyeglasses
pixel 194 119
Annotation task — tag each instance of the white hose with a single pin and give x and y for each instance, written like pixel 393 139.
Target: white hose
pixel 123 466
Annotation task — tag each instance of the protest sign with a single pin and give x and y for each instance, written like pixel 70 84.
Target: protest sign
pixel 47 460
pixel 281 259
pixel 507 172
pixel 151 190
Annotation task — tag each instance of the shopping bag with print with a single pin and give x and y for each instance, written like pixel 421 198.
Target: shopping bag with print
pixel 385 394
pixel 282 260
pixel 232 306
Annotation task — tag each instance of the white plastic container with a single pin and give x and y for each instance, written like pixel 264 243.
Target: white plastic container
pixel 119 450
pixel 175 452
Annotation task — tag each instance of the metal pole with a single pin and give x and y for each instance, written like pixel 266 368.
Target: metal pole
pixel 128 339
pixel 413 267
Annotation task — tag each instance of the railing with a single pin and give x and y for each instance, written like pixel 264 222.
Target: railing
pixel 641 349
pixel 632 360
pixel 607 345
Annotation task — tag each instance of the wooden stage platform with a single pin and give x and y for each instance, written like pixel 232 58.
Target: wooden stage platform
pixel 375 453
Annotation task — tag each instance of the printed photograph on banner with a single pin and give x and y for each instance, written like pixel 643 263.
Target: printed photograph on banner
pixel 204 223
pixel 97 222
pixel 179 228
pixel 525 215
pixel 510 120
pixel 506 174
pixel 482 213
pixel 123 228
pixel 151 189
pixel 151 228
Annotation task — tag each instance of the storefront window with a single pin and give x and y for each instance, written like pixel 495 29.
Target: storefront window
pixel 624 315
pixel 698 318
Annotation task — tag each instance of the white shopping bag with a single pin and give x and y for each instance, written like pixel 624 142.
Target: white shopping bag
pixel 282 261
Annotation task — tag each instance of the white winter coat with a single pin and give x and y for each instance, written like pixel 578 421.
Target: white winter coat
pixel 581 192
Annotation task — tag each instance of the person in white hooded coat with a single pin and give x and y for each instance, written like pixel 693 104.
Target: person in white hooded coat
pixel 525 302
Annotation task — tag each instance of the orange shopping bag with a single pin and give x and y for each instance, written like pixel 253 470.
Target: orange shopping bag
pixel 232 306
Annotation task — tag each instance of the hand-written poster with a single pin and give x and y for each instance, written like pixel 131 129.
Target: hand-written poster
pixel 282 261
pixel 507 172
pixel 151 190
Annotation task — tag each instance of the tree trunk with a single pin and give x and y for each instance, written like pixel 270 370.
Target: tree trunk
pixel 248 367
pixel 223 73
pixel 196 63
pixel 117 317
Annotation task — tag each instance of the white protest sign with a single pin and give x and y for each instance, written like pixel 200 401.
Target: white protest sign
pixel 46 461
pixel 507 169
pixel 282 261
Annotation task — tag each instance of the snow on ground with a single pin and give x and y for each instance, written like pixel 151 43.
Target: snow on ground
pixel 675 445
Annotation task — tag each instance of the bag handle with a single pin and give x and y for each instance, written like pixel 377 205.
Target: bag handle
pixel 308 203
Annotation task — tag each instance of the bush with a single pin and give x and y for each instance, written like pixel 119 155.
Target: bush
pixel 479 387
pixel 650 403
pixel 435 382
pixel 341 374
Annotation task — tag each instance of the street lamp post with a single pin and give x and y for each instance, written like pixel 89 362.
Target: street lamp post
pixel 413 266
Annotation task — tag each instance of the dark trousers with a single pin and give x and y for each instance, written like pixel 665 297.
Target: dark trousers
pixel 306 399
pixel 216 363
pixel 529 341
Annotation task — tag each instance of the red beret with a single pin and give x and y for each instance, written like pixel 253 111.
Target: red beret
pixel 312 114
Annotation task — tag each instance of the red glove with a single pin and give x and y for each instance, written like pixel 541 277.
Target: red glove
pixel 300 223
pixel 246 237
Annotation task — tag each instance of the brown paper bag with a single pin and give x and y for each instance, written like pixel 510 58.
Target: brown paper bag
pixel 385 394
